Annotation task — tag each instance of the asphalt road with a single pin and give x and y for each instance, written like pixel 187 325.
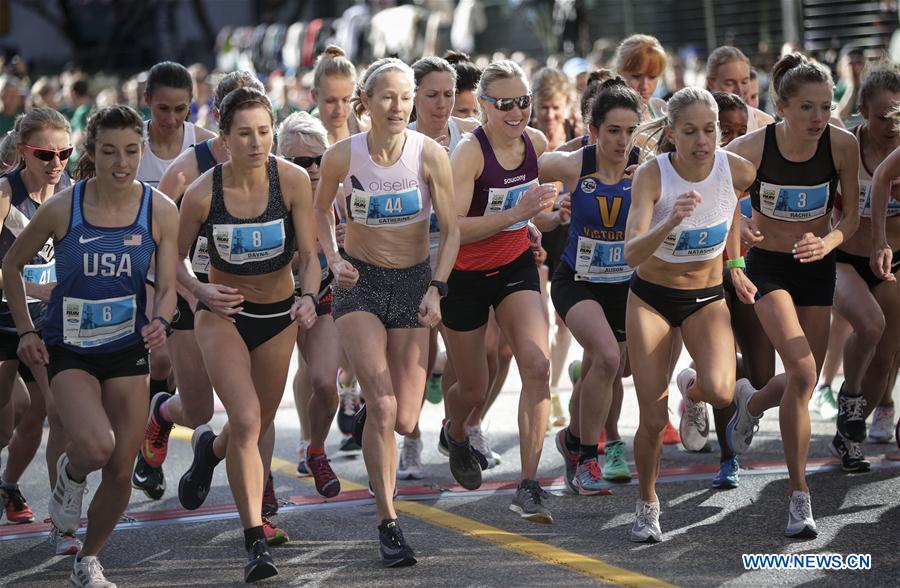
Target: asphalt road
pixel 472 539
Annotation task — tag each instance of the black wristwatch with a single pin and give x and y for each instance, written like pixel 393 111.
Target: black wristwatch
pixel 165 324
pixel 441 287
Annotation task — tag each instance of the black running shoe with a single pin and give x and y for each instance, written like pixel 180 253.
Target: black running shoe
pixel 395 553
pixel 194 484
pixel 259 563
pixel 464 463
pixel 150 480
pixel 359 423
pixel 443 448
pixel 850 421
pixel 850 453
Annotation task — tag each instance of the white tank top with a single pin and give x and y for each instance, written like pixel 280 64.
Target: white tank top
pixel 865 187
pixel 379 196
pixel 152 167
pixel 702 235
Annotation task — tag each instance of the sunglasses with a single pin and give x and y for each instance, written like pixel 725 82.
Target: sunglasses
pixel 45 154
pixel 307 162
pixel 506 104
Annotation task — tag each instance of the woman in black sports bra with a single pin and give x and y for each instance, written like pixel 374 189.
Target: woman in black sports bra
pixel 254 210
pixel 799 162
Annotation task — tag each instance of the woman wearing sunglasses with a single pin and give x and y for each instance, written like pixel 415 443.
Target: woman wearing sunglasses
pixel 495 179
pixel 95 336
pixel 44 147
pixel 384 295
pixel 302 139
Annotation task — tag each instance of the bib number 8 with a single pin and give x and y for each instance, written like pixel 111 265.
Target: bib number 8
pixel 107 314
pixel 257 239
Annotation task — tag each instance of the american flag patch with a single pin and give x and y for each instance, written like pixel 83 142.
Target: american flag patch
pixel 132 241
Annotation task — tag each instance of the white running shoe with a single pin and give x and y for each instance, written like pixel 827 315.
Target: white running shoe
pixel 88 573
pixel 479 441
pixel 410 466
pixel 800 519
pixel 65 503
pixel 646 523
pixel 882 429
pixel 743 425
pixel 63 543
pixel 694 424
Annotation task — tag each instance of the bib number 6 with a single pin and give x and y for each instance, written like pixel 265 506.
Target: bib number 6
pixel 107 314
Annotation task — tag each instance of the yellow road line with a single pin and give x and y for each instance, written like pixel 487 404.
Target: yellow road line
pixel 582 564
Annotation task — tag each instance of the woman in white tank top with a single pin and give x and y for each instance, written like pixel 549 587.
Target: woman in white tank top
pixel 684 203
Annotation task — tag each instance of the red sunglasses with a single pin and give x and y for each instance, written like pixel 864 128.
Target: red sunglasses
pixel 45 154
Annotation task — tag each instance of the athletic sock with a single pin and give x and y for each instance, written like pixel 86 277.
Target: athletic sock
pixel 588 452
pixel 313 450
pixel 252 535
pixel 573 443
pixel 157 386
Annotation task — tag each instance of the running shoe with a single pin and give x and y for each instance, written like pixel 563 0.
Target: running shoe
pixel 302 468
pixel 694 424
pixel 574 371
pixel 66 501
pixel 88 573
pixel 156 437
pixel 882 430
pixel 434 392
pixel 743 425
pixel 528 502
pixel 259 563
pixel 464 463
pixel 589 479
pixel 557 416
pixel 63 543
pixel 348 445
pixel 670 434
pixel 615 468
pixel 349 396
pixel 800 519
pixel 410 465
pixel 269 500
pixel 727 478
pixel 480 444
pixel 327 483
pixel 17 510
pixel 570 460
pixel 359 425
pixel 443 448
pixel 395 553
pixel 150 480
pixel 826 401
pixel 646 523
pixel 274 535
pixel 850 453
pixel 850 421
pixel 195 483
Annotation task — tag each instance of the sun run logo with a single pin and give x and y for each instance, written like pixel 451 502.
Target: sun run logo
pixel 807 561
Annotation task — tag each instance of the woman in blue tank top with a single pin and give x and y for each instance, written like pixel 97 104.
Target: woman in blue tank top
pixel 590 286
pixel 96 334
pixel 792 261
pixel 255 212
pixel 193 405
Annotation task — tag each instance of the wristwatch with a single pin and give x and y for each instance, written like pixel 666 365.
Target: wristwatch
pixel 441 287
pixel 164 323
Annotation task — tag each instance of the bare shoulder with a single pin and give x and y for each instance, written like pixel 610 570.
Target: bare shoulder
pixel 647 174
pixel 743 171
pixel 746 146
pixel 336 160
pixel 290 173
pixel 538 139
pixel 842 138
pixel 202 134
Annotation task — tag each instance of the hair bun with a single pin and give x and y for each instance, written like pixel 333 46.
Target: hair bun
pixel 613 82
pixel 455 57
pixel 333 51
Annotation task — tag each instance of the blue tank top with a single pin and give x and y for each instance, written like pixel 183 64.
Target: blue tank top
pixel 596 247
pixel 42 268
pixel 99 302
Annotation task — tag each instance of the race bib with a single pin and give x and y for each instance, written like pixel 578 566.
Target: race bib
pixel 500 199
pixel 240 244
pixel 434 231
pixel 865 201
pixel 200 258
pixel 385 209
pixel 41 273
pixel 91 323
pixel 601 261
pixel 699 243
pixel 793 203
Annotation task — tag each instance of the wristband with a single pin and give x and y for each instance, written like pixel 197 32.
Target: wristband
pixel 313 297
pixel 35 331
pixel 166 324
pixel 736 263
